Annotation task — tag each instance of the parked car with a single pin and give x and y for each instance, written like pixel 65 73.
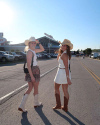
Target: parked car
pixel 54 55
pixel 39 55
pixel 23 54
pixel 47 56
pixel 6 57
pixel 51 54
pixel 16 57
pixel 94 55
pixel 98 57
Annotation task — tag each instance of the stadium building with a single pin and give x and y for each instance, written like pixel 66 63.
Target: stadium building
pixel 50 45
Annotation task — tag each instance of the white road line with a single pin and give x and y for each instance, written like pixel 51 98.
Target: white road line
pixel 9 95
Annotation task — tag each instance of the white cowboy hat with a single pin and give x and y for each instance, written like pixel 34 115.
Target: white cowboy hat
pixel 67 42
pixel 32 39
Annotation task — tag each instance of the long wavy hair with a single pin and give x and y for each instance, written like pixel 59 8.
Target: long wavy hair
pixel 67 50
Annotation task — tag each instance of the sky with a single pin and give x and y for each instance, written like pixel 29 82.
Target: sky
pixel 76 20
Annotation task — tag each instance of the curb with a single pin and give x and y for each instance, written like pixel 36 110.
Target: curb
pixel 11 94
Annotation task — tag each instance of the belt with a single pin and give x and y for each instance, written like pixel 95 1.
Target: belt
pixel 61 68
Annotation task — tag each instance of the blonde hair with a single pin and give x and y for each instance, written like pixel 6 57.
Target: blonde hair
pixel 26 48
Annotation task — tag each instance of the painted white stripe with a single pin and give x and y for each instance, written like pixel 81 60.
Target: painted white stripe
pixel 9 95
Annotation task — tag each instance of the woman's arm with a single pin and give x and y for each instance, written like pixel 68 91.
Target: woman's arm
pixel 41 48
pixel 29 60
pixel 58 56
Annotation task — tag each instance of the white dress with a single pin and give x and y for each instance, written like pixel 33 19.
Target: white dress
pixel 60 77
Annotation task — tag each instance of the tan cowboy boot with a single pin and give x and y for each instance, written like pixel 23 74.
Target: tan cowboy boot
pixel 58 102
pixel 65 107
pixel 22 105
pixel 36 103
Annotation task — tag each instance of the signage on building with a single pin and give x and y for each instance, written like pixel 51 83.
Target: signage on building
pixel 2 40
pixel 48 35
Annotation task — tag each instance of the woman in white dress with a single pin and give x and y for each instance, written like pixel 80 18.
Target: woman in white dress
pixel 63 75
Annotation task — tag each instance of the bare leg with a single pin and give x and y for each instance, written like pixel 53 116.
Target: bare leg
pixel 65 90
pixel 36 88
pixel 56 86
pixel 30 87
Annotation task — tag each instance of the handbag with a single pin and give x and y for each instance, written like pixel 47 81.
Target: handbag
pixel 26 69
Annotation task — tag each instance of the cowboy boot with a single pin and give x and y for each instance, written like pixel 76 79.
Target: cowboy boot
pixel 65 107
pixel 36 103
pixel 22 105
pixel 58 102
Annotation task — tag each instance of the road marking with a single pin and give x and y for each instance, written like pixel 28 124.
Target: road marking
pixel 92 74
pixel 9 95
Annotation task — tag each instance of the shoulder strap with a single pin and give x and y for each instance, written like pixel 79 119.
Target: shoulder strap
pixel 69 65
pixel 31 61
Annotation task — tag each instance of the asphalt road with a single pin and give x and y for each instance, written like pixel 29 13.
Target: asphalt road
pixel 84 101
pixel 12 76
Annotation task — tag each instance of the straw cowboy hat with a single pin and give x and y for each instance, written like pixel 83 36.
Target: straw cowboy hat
pixel 32 39
pixel 67 42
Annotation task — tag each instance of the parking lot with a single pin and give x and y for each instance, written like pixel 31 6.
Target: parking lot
pixel 8 56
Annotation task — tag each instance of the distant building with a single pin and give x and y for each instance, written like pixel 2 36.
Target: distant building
pixel 50 45
pixel 81 52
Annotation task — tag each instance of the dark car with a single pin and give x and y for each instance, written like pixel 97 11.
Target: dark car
pixel 45 56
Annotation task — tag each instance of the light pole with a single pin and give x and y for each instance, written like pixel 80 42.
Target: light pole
pixel 49 46
pixel 49 40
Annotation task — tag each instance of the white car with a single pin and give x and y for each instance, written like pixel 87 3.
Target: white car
pixel 6 57
pixel 16 57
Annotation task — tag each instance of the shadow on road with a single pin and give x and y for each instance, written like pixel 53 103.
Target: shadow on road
pixel 79 122
pixel 11 63
pixel 24 120
pixel 18 62
pixel 42 116
pixel 69 120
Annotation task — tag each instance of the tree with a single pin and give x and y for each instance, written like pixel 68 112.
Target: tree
pixel 74 52
pixel 17 50
pixel 12 50
pixel 95 50
pixel 84 51
pixel 77 52
pixel 87 51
